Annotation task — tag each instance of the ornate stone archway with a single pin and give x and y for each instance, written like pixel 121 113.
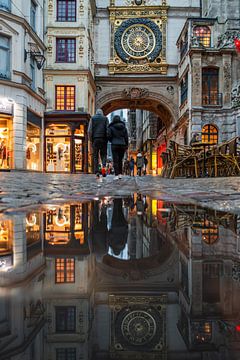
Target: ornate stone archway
pixel 119 93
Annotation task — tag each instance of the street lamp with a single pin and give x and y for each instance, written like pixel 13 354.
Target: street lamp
pixel 37 56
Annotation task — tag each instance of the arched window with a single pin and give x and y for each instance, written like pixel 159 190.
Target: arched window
pixel 203 35
pixel 210 134
pixel 209 232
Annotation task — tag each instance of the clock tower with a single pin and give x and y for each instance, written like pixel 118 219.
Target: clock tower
pixel 138 37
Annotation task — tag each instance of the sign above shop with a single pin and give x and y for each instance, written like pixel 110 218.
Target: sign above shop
pixel 6 106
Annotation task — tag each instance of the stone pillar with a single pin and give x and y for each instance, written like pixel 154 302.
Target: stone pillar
pixel 227 79
pixel 19 133
pixel 196 80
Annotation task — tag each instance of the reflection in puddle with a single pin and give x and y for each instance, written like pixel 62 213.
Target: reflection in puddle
pixel 120 278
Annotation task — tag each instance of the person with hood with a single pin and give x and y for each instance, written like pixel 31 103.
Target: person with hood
pixel 139 163
pixel 97 133
pixel 118 136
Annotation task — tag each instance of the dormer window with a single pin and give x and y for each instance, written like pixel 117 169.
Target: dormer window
pixel 203 35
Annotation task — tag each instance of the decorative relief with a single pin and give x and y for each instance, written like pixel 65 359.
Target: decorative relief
pixel 81 46
pixel 81 7
pixel 235 96
pixel 227 76
pixel 135 93
pixel 226 40
pixel 196 77
pixel 49 46
pixel 50 7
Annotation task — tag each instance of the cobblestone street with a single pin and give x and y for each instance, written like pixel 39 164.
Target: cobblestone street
pixel 19 189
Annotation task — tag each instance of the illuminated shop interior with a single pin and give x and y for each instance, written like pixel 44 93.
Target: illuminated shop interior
pixel 33 147
pixel 5 143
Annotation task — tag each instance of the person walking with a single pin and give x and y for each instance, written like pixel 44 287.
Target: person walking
pixel 131 166
pixel 118 136
pixel 97 133
pixel 145 161
pixel 139 163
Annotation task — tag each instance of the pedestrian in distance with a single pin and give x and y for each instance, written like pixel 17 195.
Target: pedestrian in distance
pixel 131 166
pixel 139 163
pixel 145 161
pixel 118 136
pixel 97 133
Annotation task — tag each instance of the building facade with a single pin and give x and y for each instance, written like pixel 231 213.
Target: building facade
pixel 22 101
pixel 178 62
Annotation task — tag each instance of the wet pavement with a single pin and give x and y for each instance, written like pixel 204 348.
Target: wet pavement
pixel 126 277
pixel 19 189
pixel 129 269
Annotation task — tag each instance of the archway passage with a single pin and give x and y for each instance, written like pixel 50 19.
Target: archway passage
pixel 140 104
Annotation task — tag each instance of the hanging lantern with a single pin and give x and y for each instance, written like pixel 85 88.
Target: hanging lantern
pixel 237 44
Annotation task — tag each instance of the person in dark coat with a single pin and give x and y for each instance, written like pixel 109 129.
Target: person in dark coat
pixel 118 233
pixel 97 133
pixel 98 236
pixel 118 136
pixel 131 166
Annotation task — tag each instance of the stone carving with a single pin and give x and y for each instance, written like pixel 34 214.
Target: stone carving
pixel 195 42
pixel 226 40
pixel 235 96
pixel 170 89
pixel 140 2
pixel 135 93
pixel 50 7
pixel 227 75
pixel 196 77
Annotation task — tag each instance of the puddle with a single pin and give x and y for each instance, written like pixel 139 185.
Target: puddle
pixel 119 278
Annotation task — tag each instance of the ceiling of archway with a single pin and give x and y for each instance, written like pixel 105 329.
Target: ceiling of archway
pixel 142 104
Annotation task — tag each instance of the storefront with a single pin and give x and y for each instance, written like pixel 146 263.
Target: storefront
pixel 66 146
pixel 6 134
pixel 162 148
pixel 33 146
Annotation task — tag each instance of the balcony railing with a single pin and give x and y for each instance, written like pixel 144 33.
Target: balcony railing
pixel 214 99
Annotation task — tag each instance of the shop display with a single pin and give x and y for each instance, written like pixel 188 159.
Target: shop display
pixel 5 238
pixel 5 144
pixel 33 147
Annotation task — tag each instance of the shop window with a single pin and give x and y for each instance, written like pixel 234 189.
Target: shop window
pixel 63 224
pixel 5 238
pixel 33 10
pixel 33 237
pixel 66 50
pixel 33 147
pixel 65 319
pixel 209 232
pixel 5 143
pixel 65 97
pixel 210 134
pixel 5 5
pixel 64 270
pixel 184 89
pixel 203 35
pixel 58 148
pixel 66 10
pixel 210 87
pixel 5 57
pixel 66 354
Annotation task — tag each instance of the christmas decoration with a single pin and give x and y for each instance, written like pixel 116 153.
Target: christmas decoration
pixel 237 44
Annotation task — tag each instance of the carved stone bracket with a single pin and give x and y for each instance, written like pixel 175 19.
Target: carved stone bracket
pixel 235 96
pixel 226 40
pixel 135 93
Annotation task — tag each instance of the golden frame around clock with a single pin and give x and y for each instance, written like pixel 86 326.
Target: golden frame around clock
pixel 135 63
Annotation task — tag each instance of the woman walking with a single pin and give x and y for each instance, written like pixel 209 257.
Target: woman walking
pixel 118 136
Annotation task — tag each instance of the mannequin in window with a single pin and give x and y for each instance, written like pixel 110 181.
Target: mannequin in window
pixel 3 152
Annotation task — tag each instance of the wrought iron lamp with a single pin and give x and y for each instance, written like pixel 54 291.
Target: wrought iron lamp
pixel 37 56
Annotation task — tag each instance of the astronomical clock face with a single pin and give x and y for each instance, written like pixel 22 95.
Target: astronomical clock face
pixel 138 39
pixel 138 326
